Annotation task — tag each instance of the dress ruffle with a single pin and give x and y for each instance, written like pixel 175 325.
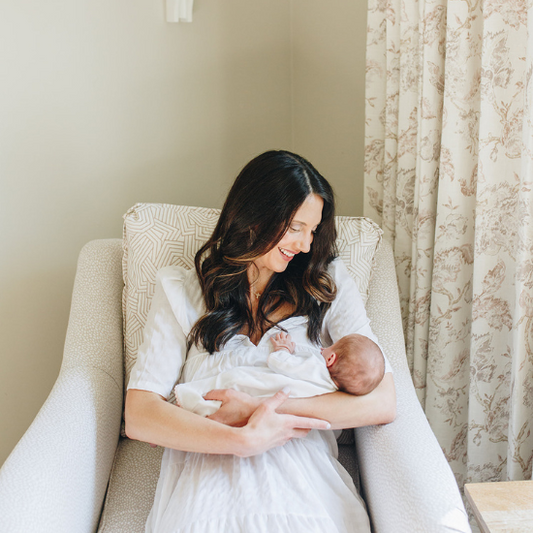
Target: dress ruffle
pixel 259 523
pixel 298 488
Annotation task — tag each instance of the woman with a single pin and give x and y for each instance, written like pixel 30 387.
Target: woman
pixel 258 466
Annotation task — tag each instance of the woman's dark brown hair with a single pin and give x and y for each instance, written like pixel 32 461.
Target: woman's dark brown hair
pixel 258 211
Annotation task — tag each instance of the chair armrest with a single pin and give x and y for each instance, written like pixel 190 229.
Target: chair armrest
pixel 407 482
pixel 56 477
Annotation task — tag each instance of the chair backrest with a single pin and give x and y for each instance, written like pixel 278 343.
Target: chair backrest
pixel 158 235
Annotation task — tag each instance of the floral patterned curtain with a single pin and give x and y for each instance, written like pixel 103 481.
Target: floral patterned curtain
pixel 449 176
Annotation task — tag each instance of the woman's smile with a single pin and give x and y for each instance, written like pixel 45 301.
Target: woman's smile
pixel 286 254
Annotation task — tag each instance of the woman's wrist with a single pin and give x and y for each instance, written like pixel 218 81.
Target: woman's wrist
pixel 242 442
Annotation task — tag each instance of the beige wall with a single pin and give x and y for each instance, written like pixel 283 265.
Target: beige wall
pixel 103 104
pixel 328 93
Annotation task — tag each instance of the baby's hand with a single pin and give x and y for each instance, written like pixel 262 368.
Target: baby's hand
pixel 282 341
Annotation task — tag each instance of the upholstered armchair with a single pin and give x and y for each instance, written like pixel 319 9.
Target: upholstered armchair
pixel 74 471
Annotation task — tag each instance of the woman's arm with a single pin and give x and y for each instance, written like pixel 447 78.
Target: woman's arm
pixel 340 409
pixel 150 418
pixel 344 410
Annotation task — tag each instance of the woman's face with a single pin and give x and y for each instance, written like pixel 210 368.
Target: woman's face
pixel 297 239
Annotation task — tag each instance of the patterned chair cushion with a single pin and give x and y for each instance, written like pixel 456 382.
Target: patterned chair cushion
pixel 158 235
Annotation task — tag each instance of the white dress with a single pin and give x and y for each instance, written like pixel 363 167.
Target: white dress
pixel 298 488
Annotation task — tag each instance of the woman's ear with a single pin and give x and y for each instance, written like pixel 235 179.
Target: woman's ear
pixel 332 357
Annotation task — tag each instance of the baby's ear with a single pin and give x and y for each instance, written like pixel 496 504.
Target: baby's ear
pixel 332 357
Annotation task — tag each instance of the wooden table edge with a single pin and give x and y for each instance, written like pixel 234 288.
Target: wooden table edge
pixel 477 514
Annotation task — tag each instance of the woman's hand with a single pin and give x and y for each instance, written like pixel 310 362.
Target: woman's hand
pixel 236 409
pixel 267 429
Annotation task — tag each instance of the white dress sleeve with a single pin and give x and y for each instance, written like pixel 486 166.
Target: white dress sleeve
pixel 347 313
pixel 163 351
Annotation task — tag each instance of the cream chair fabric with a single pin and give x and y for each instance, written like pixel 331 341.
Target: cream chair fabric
pixel 55 480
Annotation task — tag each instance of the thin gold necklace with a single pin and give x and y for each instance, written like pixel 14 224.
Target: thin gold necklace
pixel 256 294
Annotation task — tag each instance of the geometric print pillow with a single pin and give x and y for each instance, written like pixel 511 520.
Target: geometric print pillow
pixel 155 236
pixel 159 235
pixel 357 242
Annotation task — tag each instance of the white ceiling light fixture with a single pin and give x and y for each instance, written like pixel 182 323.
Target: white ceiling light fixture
pixel 179 10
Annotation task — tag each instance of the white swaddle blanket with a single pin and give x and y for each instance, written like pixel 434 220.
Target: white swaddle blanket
pixel 256 370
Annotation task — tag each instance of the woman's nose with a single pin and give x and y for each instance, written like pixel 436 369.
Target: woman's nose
pixel 305 242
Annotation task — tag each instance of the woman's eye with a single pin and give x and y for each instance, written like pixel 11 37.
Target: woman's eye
pixel 294 229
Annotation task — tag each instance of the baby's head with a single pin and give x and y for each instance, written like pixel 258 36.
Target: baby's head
pixel 355 363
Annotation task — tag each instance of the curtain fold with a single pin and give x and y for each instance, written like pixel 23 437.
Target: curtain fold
pixel 449 176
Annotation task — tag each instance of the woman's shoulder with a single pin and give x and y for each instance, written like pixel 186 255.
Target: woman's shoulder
pixel 175 273
pixel 347 287
pixel 183 291
pixel 338 271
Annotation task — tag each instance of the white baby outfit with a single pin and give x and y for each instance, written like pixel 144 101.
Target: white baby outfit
pixel 298 488
pixel 256 370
